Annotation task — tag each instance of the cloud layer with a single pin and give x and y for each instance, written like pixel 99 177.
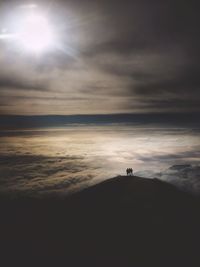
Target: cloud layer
pixel 112 57
pixel 185 176
pixel 61 160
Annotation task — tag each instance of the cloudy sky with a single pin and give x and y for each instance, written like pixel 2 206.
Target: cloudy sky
pixel 108 56
pixel 131 66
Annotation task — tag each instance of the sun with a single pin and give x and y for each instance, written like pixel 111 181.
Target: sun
pixel 30 31
pixel 35 34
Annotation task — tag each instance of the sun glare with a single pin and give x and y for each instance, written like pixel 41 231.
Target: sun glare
pixel 35 34
pixel 30 31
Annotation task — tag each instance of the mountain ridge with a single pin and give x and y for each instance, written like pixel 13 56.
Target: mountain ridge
pixel 123 221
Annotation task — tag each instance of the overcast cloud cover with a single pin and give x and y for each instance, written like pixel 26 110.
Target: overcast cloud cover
pixel 111 57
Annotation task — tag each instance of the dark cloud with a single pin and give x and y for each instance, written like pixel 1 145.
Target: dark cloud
pixel 10 83
pixel 36 173
pixel 187 120
pixel 188 156
pixel 141 55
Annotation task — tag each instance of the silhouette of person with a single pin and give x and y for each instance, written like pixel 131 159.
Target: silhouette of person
pixel 129 172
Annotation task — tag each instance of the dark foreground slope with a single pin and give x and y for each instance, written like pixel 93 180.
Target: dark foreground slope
pixel 124 221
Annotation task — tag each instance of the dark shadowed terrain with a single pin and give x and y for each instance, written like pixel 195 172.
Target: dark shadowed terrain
pixel 124 221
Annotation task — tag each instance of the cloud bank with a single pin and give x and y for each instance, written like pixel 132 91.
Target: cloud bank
pixel 62 160
pixel 185 176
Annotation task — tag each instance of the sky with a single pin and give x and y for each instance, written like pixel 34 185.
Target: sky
pixel 107 57
pixel 95 87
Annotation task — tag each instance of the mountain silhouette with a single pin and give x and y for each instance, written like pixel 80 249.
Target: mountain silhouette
pixel 123 221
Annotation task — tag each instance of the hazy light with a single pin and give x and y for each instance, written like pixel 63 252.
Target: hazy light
pixel 35 33
pixel 30 6
pixel 30 31
pixel 4 34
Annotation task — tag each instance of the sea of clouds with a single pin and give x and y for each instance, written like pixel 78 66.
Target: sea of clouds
pixel 186 177
pixel 63 160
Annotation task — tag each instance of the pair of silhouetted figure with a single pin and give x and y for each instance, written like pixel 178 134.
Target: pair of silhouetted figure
pixel 129 171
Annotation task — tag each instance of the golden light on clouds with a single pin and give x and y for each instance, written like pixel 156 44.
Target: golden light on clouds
pixel 62 159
